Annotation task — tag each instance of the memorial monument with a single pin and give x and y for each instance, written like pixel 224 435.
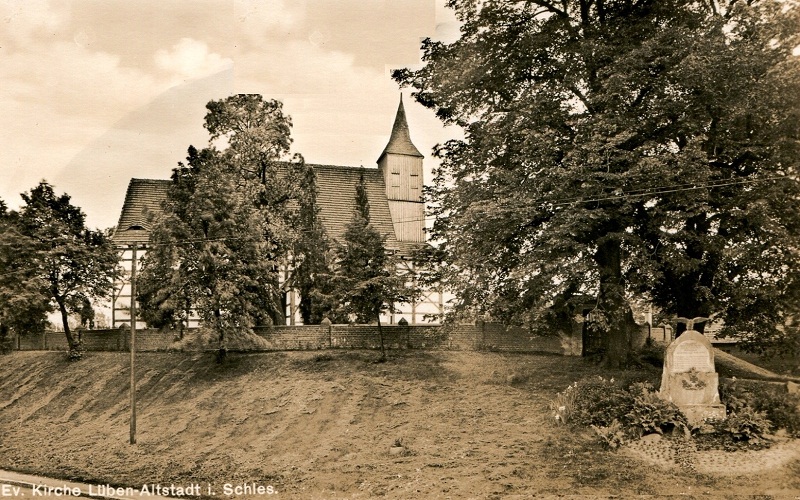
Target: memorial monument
pixel 689 379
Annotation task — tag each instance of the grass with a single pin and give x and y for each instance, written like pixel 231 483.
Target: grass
pixel 782 365
pixel 323 424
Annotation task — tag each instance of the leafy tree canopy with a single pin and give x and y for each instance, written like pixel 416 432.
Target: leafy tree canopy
pixel 229 222
pixel 69 263
pixel 24 301
pixel 208 253
pixel 313 258
pixel 615 148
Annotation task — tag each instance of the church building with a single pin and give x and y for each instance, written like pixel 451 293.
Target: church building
pixel 397 210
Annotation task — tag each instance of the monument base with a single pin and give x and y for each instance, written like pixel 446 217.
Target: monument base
pixel 697 414
pixel 691 388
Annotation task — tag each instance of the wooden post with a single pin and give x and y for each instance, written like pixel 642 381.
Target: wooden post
pixel 133 346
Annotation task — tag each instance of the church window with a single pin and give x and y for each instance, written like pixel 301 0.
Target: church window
pixel 395 179
pixel 414 181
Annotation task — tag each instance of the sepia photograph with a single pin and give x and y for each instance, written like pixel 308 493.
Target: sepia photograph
pixel 355 249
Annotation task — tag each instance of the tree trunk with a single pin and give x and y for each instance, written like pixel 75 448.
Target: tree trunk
pixel 5 341
pixel 222 351
pixel 611 300
pixel 305 306
pixel 695 302
pixel 380 334
pixel 62 307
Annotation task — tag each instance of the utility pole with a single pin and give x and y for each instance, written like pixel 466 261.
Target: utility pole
pixel 133 344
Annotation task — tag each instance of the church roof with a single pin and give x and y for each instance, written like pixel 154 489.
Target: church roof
pixel 143 198
pixel 400 140
pixel 336 198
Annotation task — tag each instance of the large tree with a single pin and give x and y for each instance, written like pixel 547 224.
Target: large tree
pixel 24 301
pixel 367 281
pixel 616 148
pixel 208 254
pixel 227 226
pixel 256 135
pixel 75 264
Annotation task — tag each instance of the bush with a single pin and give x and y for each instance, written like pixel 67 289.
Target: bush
pixel 616 411
pixel 612 436
pixel 651 414
pixel 619 412
pixel 76 353
pixel 782 409
pixel 600 401
pixel 746 425
pixel 734 396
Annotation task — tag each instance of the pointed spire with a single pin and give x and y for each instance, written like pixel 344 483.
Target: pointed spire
pixel 400 140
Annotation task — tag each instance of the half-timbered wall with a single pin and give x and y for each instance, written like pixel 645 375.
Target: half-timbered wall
pixel 121 301
pixel 427 309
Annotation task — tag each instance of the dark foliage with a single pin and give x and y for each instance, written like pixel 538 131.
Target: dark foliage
pixel 615 149
pixel 75 264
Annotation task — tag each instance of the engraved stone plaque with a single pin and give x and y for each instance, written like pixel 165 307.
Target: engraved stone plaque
pixel 690 355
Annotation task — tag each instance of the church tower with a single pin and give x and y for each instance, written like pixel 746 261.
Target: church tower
pixel 401 165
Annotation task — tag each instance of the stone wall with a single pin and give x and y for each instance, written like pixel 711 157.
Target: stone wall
pixel 481 336
pixel 662 334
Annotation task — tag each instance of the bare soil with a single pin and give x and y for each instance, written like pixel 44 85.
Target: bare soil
pixel 332 424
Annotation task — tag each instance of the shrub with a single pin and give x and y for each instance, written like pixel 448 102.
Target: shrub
pixel 746 425
pixel 780 408
pixel 612 436
pixel 649 413
pixel 76 353
pixel 734 395
pixel 600 401
pixel 616 412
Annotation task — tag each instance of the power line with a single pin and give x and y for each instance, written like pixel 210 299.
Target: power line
pixel 638 193
pixel 669 191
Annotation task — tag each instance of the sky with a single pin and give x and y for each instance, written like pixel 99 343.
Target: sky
pixel 96 92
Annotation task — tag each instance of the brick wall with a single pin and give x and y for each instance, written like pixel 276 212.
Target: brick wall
pixel 482 336
pixel 297 337
pixel 96 340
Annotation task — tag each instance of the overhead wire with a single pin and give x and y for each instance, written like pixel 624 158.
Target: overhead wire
pixel 653 191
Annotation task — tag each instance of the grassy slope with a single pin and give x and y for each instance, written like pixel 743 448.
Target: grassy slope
pixel 321 425
pixel 782 365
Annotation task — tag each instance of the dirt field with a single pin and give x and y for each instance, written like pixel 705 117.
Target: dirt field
pixel 329 424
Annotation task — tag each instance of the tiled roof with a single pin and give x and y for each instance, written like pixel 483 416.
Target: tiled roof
pixel 337 200
pixel 144 197
pixel 400 140
pixel 337 194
